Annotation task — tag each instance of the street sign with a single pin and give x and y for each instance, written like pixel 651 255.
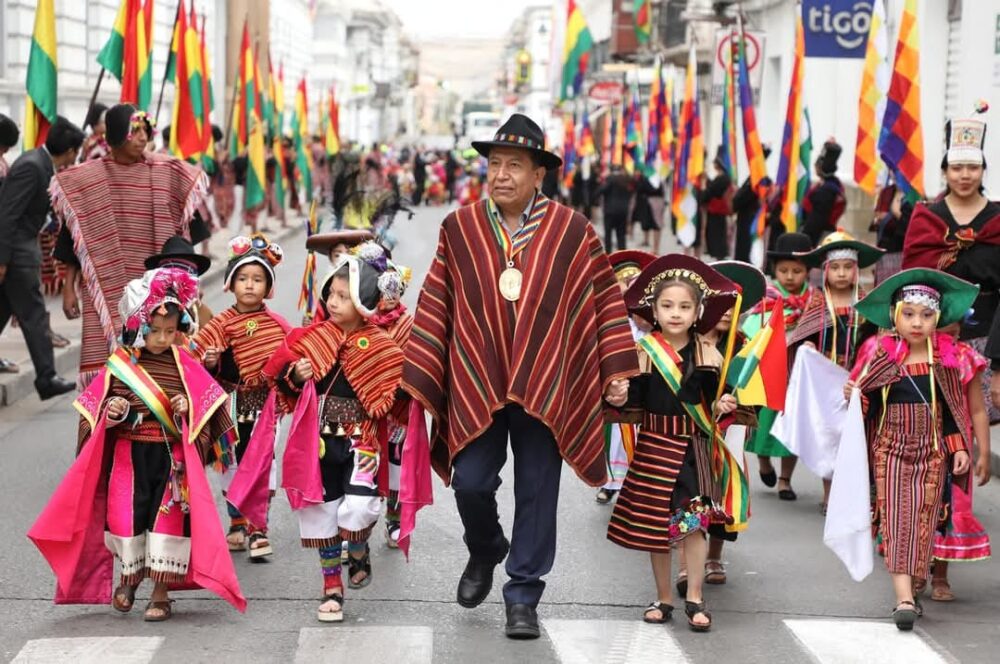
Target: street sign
pixel 606 92
pixel 755 62
pixel 836 28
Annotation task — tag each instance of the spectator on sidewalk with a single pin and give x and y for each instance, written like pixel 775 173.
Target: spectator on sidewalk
pixel 24 209
pixel 8 138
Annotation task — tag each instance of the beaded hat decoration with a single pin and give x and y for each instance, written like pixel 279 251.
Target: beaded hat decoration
pixel 254 249
pixel 919 294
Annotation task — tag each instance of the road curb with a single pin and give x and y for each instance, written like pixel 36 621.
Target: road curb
pixel 14 387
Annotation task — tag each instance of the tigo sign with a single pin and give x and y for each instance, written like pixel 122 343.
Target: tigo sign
pixel 836 28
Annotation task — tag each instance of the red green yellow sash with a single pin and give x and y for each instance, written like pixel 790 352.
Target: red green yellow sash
pixel 143 386
pixel 725 467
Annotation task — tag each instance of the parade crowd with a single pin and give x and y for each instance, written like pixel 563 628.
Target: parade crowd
pixel 653 377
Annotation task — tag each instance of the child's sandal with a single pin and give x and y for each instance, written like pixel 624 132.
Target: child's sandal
pixel 715 572
pixel 162 609
pixel 904 615
pixel 666 611
pixel 124 598
pixel 236 539
pixel 356 566
pixel 259 547
pixel 331 616
pixel 941 591
pixel 691 609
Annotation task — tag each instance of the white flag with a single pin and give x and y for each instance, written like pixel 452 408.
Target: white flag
pixel 848 517
pixel 811 425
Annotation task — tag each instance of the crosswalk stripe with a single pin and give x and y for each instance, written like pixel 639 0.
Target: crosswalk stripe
pixel 613 642
pixel 853 641
pixel 90 650
pixel 374 644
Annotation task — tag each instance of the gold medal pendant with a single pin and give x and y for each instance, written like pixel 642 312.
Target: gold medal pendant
pixel 510 283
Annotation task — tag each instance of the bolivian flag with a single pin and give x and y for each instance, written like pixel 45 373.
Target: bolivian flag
pixel 40 105
pixel 759 372
pixel 126 54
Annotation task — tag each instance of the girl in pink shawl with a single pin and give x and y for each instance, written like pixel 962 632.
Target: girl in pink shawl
pixel 152 419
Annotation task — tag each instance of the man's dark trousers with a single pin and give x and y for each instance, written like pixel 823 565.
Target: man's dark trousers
pixel 21 296
pixel 537 467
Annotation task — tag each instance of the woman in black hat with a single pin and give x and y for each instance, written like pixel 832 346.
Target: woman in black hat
pixel 825 202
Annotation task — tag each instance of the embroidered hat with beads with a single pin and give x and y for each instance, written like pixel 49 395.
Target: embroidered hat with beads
pixel 922 286
pixel 254 249
pixel 717 294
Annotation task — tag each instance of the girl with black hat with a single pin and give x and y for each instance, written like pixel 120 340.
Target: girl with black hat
pixel 235 345
pixel 339 377
pixel 683 298
pixel 791 285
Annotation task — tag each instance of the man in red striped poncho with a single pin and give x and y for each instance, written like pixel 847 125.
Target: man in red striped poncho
pixel 116 212
pixel 520 330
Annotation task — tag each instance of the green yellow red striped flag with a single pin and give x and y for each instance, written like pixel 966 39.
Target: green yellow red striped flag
pixel 127 52
pixel 185 135
pixel 40 103
pixel 251 126
pixel 300 131
pixel 208 103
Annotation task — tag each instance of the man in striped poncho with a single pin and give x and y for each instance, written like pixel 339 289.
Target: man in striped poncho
pixel 117 211
pixel 520 331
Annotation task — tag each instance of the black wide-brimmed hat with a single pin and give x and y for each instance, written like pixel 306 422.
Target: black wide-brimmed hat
pixel 178 252
pixel 520 131
pixel 791 245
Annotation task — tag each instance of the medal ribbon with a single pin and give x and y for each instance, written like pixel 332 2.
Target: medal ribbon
pixel 512 246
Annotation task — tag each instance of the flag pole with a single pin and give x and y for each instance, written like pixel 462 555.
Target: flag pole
pixel 93 97
pixel 166 67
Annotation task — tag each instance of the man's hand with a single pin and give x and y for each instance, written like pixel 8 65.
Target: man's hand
pixel 617 392
pixel 71 303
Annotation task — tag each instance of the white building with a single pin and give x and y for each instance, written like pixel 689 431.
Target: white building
pixel 531 33
pixel 82 28
pixel 959 64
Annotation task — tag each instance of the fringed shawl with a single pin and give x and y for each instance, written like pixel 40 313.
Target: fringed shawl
pixel 118 215
pixel 554 351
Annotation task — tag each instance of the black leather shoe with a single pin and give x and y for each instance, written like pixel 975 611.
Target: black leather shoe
pixel 54 388
pixel 522 622
pixel 477 579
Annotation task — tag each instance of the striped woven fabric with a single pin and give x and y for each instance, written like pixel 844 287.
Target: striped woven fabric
pixel 252 338
pixel 643 510
pixel 162 368
pixel 554 351
pixel 370 359
pixel 118 215
pixel 400 329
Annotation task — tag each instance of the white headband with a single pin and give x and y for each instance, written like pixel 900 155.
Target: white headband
pixel 842 255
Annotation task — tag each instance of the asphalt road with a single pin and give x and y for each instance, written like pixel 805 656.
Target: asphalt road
pixel 788 599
